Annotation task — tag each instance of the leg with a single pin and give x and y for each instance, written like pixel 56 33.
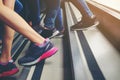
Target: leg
pixel 51 14
pixel 9 68
pixel 15 22
pixel 88 18
pixel 49 21
pixel 34 6
pixel 7 37
pixel 59 21
pixel 59 25
pixel 86 8
pixel 18 6
pixel 41 49
pixel 79 4
pixel 34 16
pixel 25 11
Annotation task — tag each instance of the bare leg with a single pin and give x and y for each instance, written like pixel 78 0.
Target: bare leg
pixel 17 23
pixel 7 36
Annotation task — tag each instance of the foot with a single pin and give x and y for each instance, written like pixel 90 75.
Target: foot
pixel 8 69
pixel 46 33
pixel 60 34
pixel 36 54
pixel 55 33
pixel 85 24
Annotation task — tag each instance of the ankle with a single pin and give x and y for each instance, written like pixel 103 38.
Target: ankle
pixel 2 60
pixel 5 59
pixel 42 44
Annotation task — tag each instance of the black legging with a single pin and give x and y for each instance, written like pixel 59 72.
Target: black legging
pixel 31 11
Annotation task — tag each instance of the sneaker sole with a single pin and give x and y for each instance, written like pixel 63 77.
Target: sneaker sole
pixel 48 53
pixel 9 73
pixel 42 57
pixel 88 28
